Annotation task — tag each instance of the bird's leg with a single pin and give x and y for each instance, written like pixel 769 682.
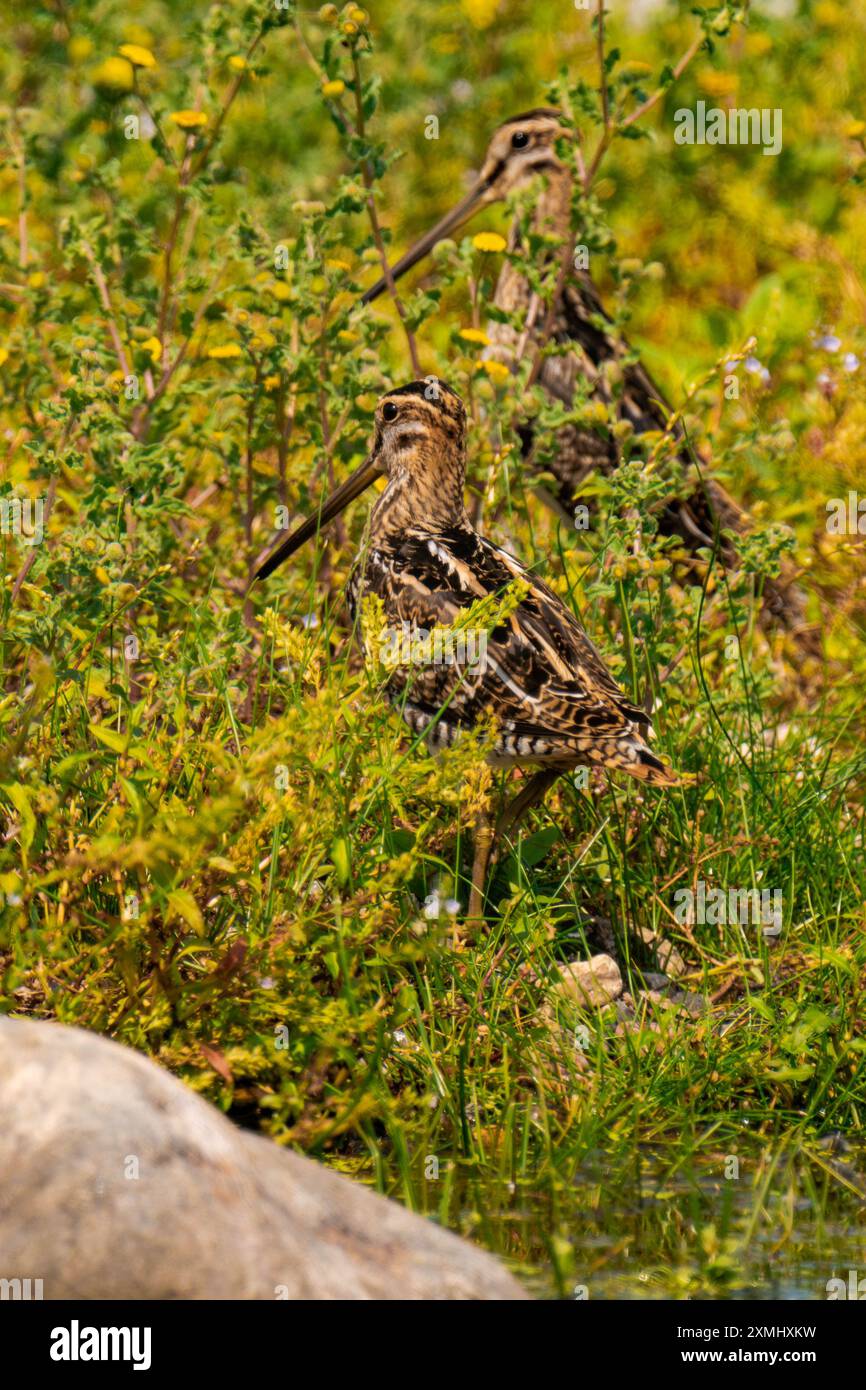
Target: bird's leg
pixel 535 788
pixel 486 837
pixel 483 846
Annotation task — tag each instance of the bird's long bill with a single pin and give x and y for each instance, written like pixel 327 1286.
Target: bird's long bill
pixel 424 245
pixel 359 481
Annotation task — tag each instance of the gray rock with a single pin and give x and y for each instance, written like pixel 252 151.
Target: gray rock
pixel 590 982
pixel 117 1181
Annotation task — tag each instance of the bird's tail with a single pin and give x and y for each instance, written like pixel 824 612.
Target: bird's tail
pixel 631 754
pixel 648 768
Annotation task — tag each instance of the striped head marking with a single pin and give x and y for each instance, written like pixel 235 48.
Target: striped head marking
pixel 422 416
pixel 523 146
pixel 420 442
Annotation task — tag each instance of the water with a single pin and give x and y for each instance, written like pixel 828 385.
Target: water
pixel 779 1231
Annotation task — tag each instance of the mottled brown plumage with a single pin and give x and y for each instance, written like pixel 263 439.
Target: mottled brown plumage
pixel 522 148
pixel 552 701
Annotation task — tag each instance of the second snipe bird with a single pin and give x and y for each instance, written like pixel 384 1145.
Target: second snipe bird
pixel 553 702
pixel 524 148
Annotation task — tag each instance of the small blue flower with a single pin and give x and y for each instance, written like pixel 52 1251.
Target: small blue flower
pixel 757 368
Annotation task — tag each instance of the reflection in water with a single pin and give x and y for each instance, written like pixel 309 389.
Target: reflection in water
pixel 778 1227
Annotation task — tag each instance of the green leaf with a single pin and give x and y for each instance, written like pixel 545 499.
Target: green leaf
pixel 110 737
pixel 182 904
pixel 20 798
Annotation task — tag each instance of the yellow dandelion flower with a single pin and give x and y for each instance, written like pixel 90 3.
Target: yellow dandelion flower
pixel 829 13
pixel 854 129
pixel 497 371
pixel 138 56
pixel 154 347
pixel 474 335
pixel 271 383
pixel 36 280
pixel 281 291
pixel 4 223
pixel 79 48
pixel 333 89
pixel 488 241
pixel 263 339
pixel 756 45
pixel 481 13
pixel 335 263
pixel 4 356
pixel 223 350
pixel 114 73
pixel 238 62
pixel 189 120
pixel 718 84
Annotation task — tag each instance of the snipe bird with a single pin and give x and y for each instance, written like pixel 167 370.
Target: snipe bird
pixel 522 148
pixel 554 704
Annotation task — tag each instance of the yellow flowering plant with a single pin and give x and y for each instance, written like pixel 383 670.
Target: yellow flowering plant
pixel 214 825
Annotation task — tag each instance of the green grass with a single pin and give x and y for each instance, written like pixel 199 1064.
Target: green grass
pixel 219 852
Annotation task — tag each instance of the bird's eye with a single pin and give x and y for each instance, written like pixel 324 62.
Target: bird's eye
pixel 519 140
pixel 389 411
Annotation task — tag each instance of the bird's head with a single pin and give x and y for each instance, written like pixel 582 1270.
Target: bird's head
pixel 418 428
pixel 522 147
pixel 419 439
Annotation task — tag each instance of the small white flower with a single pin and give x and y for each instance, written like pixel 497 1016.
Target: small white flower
pixel 850 361
pixel 829 342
